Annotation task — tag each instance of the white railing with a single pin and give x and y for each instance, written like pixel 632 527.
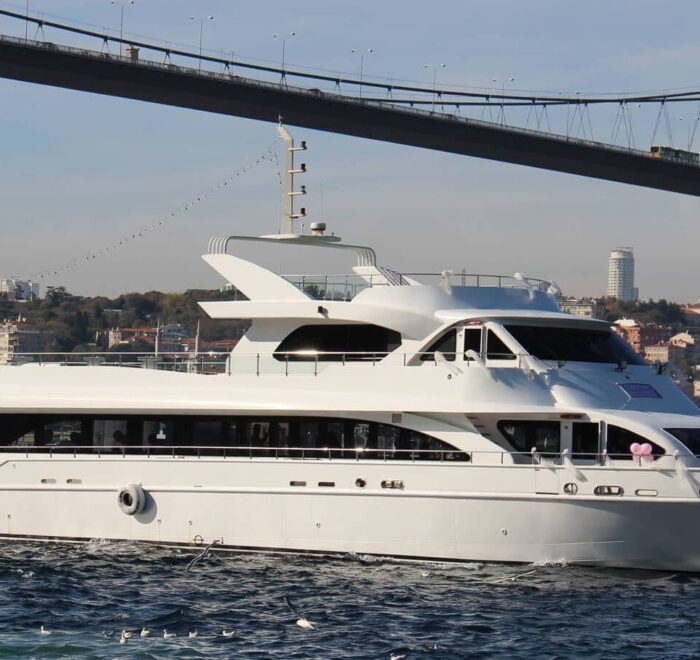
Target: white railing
pixel 304 362
pixel 346 287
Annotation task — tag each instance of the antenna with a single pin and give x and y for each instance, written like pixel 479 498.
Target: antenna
pixel 288 192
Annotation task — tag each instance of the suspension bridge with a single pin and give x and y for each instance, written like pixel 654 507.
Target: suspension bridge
pixel 427 117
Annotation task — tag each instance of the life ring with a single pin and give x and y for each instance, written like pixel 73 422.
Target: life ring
pixel 132 499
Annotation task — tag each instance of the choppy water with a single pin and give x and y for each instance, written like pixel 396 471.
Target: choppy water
pixel 87 594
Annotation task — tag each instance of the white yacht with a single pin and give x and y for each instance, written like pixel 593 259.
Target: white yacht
pixel 448 417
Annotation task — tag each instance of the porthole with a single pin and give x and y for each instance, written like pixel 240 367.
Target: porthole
pixel 326 484
pixel 570 489
pixel 360 483
pixel 297 483
pixel 608 490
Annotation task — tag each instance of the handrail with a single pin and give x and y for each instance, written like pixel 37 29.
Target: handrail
pixel 465 457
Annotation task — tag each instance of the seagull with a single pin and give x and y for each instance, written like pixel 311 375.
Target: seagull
pixel 43 631
pixel 123 638
pixel 167 635
pixel 302 621
pixel 127 634
pixel 192 634
pixel 228 633
pixel 145 632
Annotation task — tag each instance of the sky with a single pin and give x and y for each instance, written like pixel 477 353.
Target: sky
pixel 80 172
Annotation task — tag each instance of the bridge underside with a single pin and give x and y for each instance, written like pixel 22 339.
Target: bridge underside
pixel 242 97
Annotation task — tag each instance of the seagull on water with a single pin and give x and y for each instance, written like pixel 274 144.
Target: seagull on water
pixel 192 634
pixel 43 631
pixel 302 621
pixel 228 633
pixel 123 639
pixel 127 633
pixel 145 632
pixel 167 635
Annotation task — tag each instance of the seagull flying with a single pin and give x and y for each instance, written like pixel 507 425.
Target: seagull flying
pixel 302 621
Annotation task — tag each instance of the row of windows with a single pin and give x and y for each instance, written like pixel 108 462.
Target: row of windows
pixel 544 342
pixel 447 345
pixel 258 436
pixel 545 438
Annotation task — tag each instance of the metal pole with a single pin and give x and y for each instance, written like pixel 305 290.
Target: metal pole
pixel 201 34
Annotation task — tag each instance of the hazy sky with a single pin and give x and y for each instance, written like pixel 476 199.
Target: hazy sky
pixel 80 171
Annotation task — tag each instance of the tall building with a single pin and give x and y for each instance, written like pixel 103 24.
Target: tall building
pixel 621 275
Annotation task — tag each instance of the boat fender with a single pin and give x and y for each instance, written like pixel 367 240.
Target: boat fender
pixel 132 499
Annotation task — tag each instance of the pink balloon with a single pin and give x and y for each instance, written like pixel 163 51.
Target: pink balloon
pixel 636 449
pixel 646 449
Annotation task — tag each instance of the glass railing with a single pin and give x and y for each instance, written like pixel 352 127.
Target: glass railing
pixel 346 287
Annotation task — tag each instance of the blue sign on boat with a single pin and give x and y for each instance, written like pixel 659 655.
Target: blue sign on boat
pixel 640 391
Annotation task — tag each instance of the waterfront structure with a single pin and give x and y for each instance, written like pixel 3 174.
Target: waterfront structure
pixel 663 353
pixel 585 307
pixel 641 335
pixel 18 337
pixel 16 289
pixel 621 275
pixel 686 342
pixel 121 337
pixel 418 416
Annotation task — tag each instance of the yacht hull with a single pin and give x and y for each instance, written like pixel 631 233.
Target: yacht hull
pixel 428 514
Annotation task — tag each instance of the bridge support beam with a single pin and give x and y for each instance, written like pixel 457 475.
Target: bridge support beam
pixel 90 71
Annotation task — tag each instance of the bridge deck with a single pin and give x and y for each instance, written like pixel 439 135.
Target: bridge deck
pixel 101 73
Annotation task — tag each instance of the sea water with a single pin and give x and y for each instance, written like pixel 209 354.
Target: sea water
pixel 359 607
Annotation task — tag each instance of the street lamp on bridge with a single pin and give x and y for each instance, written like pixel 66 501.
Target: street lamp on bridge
pixel 201 20
pixel 121 4
pixel 283 38
pixel 503 82
pixel 362 53
pixel 435 68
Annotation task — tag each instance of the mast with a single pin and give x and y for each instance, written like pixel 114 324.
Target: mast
pixel 288 192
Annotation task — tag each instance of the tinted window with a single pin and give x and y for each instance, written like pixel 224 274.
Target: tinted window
pixel 689 437
pixel 344 342
pixel 573 344
pixel 619 441
pixel 472 340
pixel 278 437
pixel 584 440
pixel 525 435
pixel 447 345
pixel 496 349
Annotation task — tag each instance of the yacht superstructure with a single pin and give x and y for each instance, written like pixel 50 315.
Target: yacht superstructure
pixel 451 417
